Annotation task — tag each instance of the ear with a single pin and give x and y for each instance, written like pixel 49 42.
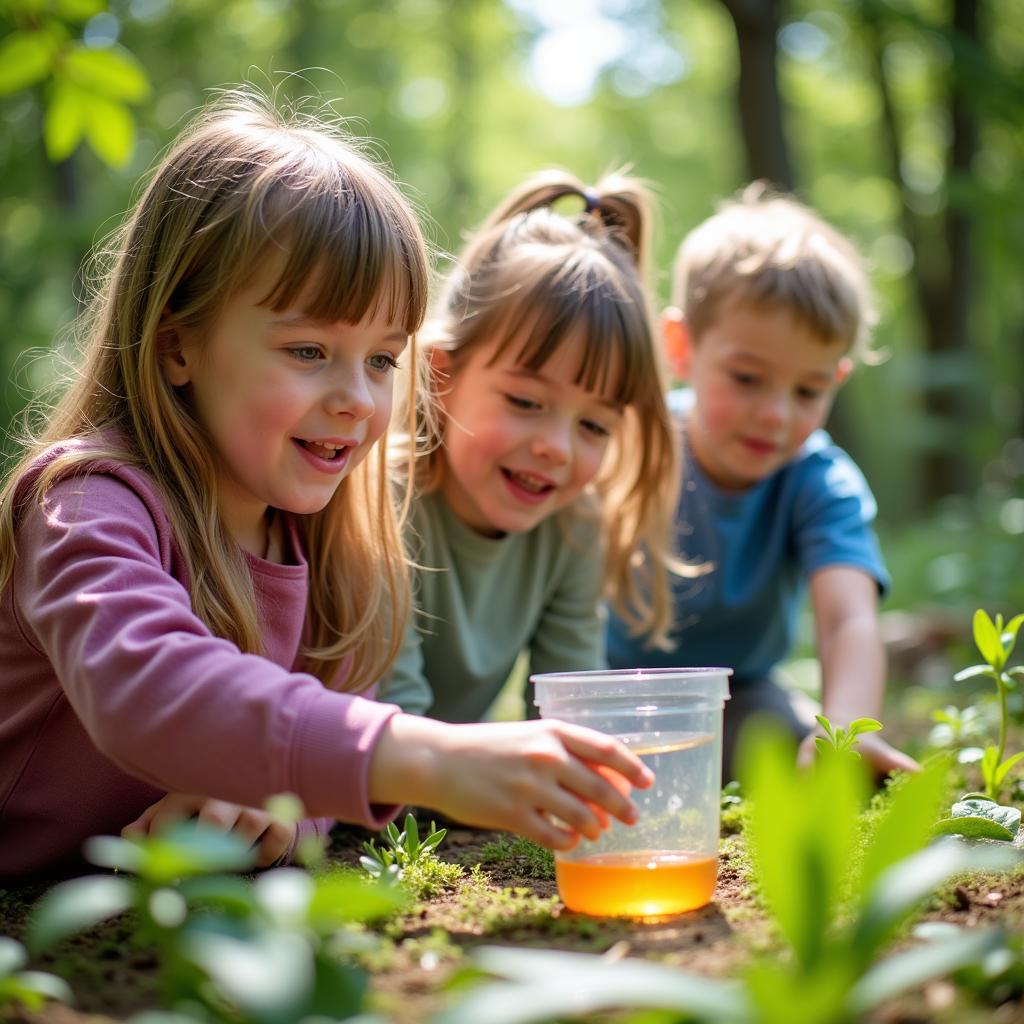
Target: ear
pixel 843 370
pixel 677 342
pixel 172 356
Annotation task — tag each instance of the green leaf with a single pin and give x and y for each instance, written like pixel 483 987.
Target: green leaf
pixel 12 955
pixel 46 985
pixel 113 73
pixel 76 905
pixel 906 823
pixel 825 724
pixel 1008 817
pixel 80 10
pixel 341 898
pixel 412 837
pixel 548 985
pixel 25 59
pixel 908 970
pixel 970 673
pixel 862 725
pixel 973 827
pixel 64 122
pixel 1003 770
pixel 986 637
pixel 1010 631
pixel 110 129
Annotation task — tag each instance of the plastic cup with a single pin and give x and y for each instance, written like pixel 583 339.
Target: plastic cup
pixel 667 863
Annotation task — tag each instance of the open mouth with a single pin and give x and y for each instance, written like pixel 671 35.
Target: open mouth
pixel 534 485
pixel 327 452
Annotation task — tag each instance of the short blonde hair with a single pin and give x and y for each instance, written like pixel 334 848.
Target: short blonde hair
pixel 769 249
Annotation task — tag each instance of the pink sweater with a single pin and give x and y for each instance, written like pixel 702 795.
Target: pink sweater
pixel 112 691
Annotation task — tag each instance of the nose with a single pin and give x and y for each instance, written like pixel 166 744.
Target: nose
pixel 553 443
pixel 774 409
pixel 350 396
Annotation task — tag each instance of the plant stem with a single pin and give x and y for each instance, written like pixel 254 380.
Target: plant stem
pixel 1001 687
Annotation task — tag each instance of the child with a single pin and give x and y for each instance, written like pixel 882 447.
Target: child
pixel 772 307
pixel 200 550
pixel 554 458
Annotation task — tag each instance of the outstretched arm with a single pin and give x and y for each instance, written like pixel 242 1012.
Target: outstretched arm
pixel 845 604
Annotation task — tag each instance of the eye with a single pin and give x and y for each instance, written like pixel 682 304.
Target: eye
pixel 745 380
pixel 383 362
pixel 306 353
pixel 599 430
pixel 808 394
pixel 521 402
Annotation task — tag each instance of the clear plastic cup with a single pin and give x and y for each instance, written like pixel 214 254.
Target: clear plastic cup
pixel 666 863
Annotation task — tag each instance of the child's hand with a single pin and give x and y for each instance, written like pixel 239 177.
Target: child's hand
pixel 515 776
pixel 882 757
pixel 271 839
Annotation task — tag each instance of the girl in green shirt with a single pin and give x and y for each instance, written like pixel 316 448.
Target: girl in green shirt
pixel 551 461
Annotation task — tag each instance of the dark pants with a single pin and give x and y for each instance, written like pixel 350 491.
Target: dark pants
pixel 749 697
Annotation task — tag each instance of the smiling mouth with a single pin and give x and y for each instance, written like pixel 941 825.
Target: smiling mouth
pixel 327 452
pixel 528 482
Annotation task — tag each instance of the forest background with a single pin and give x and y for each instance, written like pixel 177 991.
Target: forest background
pixel 902 121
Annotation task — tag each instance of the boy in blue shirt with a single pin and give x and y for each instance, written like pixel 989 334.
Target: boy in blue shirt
pixel 771 309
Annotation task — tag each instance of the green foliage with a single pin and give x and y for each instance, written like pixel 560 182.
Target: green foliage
pixel 841 740
pixel 804 837
pixel 400 849
pixel 274 951
pixel 88 90
pixel 26 988
pixel 519 854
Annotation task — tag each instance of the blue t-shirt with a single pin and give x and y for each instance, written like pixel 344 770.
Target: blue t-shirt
pixel 762 545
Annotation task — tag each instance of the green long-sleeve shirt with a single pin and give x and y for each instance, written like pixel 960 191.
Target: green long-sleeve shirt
pixel 480 601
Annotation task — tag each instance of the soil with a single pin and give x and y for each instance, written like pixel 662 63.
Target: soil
pixel 112 979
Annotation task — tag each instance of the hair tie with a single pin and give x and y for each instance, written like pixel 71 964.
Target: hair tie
pixel 591 201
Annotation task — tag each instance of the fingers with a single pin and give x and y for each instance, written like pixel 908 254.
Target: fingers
pixel 589 745
pixel 541 830
pixel 593 787
pixel 274 844
pixel 141 825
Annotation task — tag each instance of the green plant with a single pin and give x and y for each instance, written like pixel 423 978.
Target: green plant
pixel 400 849
pixel 273 951
pixel 27 988
pixel 835 908
pixel 996 641
pixel 844 740
pixel 529 859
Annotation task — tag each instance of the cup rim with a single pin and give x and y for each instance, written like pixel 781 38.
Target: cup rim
pixel 618 675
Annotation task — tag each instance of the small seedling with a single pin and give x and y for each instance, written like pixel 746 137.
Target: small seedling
pixel 995 641
pixel 400 849
pixel 841 740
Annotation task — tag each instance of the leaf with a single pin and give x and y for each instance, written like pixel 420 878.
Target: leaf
pixel 412 837
pixel 80 10
pixel 25 59
pixel 907 970
pixel 76 905
pixel 110 128
pixel 899 889
pixel 64 122
pixel 48 985
pixel 1010 631
pixel 970 673
pixel 987 639
pixel 1003 770
pixel 551 985
pixel 906 824
pixel 112 73
pixel 340 898
pixel 972 827
pixel 12 955
pixel 863 725
pixel 826 725
pixel 1008 817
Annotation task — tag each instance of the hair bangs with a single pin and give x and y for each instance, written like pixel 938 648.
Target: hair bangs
pixel 611 324
pixel 346 261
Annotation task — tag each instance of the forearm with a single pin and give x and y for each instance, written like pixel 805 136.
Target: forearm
pixel 852 669
pixel 403 765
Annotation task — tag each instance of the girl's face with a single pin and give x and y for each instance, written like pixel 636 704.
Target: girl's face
pixel 519 445
pixel 291 405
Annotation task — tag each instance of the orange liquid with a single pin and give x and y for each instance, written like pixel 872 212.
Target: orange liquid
pixel 637 884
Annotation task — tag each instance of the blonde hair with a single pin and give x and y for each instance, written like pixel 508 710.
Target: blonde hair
pixel 537 277
pixel 241 180
pixel 768 249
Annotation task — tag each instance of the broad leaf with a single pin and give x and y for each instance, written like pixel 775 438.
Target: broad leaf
pixel 25 59
pixel 907 970
pixel 47 985
pixel 549 985
pixel 76 905
pixel 12 955
pixel 64 122
pixel 1008 817
pixel 110 129
pixel 971 827
pixel 112 73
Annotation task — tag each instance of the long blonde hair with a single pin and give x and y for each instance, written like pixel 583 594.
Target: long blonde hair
pixel 244 178
pixel 539 276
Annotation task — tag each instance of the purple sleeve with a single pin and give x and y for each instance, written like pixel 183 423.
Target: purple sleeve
pixel 159 694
